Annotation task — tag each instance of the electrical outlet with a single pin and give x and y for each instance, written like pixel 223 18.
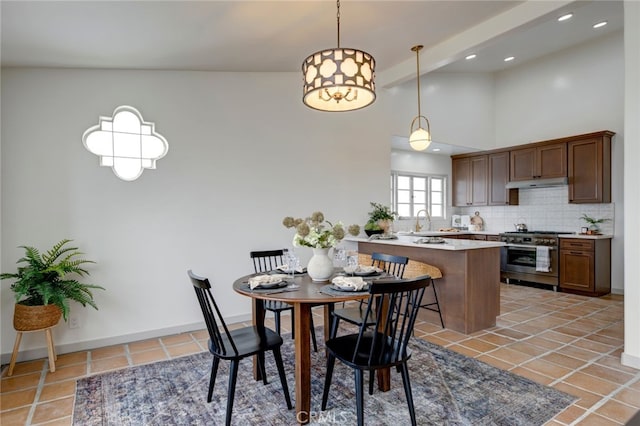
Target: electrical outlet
pixel 74 322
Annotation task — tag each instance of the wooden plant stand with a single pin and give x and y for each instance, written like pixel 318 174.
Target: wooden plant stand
pixel 50 347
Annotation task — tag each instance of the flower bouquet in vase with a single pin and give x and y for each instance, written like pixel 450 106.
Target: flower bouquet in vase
pixel 320 235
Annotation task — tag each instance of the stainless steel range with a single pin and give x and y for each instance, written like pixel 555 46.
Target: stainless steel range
pixel 530 256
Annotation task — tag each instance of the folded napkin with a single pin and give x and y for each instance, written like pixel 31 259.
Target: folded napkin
pixel 285 267
pixel 361 269
pixel 356 283
pixel 260 280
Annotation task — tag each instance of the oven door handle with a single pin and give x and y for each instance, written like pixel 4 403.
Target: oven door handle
pixel 527 246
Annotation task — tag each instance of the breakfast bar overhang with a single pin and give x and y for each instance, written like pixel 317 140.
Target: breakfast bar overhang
pixel 469 290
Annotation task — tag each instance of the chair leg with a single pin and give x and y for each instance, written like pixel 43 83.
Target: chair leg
pixel 263 371
pixel 313 332
pixel 435 294
pixel 371 381
pixel 331 360
pixel 276 315
pixel 283 378
pixel 334 327
pixel 407 390
pixel 359 396
pixel 233 375
pixel 212 380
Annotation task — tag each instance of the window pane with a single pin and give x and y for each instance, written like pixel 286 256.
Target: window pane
pixel 436 211
pixel 436 184
pixel 420 198
pixel 404 182
pixel 436 198
pixel 419 184
pixel 404 197
pixel 403 210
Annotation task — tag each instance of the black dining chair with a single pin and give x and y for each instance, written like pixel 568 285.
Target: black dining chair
pixel 382 345
pixel 266 261
pixel 392 265
pixel 235 345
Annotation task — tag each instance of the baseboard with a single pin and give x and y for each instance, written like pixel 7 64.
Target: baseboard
pixel 38 353
pixel 617 291
pixel 630 360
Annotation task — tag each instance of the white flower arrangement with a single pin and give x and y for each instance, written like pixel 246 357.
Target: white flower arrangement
pixel 316 232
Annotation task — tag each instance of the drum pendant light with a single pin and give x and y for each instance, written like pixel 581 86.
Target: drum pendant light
pixel 338 79
pixel 420 138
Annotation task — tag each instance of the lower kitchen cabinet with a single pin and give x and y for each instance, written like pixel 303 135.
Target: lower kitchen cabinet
pixel 585 266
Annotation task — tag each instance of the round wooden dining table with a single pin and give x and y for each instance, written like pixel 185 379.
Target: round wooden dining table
pixel 306 296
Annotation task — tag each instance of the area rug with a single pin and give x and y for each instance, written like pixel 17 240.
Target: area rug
pixel 448 389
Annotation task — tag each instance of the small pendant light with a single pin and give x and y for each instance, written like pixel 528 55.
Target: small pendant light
pixel 419 139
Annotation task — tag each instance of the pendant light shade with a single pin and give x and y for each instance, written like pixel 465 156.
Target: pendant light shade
pixel 420 138
pixel 339 79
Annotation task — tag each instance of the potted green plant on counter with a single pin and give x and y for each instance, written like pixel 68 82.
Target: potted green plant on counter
pixel 594 224
pixel 44 285
pixel 380 219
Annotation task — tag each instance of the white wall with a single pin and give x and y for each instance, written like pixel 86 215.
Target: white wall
pixel 243 153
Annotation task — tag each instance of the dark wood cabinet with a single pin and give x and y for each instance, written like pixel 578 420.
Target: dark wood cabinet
pixel 499 195
pixel 469 176
pixel 538 162
pixel 493 237
pixel 590 168
pixel 585 266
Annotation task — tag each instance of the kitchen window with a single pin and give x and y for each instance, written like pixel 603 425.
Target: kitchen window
pixel 411 193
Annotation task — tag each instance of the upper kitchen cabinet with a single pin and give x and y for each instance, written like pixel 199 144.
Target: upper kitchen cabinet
pixel 469 176
pixel 539 162
pixel 499 195
pixel 590 168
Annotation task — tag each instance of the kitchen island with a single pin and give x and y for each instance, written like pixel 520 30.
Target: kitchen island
pixel 469 290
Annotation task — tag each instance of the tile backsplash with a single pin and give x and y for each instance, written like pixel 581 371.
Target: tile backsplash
pixel 543 209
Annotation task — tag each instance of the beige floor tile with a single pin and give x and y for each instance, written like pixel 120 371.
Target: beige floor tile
pixel 549 369
pixel 18 416
pixel 436 340
pixel 107 352
pixel 590 345
pixel 19 398
pixel 586 399
pixel 144 345
pixel 184 349
pixel 177 339
pixel 607 373
pixel 477 344
pixel 24 381
pixel 498 363
pixel 617 411
pixel 58 390
pixel 450 335
pixel 565 361
pixel 72 358
pixel 511 356
pixel 53 410
pixel 569 331
pixel 66 373
pixel 533 375
pixel 25 368
pixel 514 334
pixel 544 343
pixel 200 334
pixel 527 348
pixel 570 414
pixel 579 353
pixel 556 337
pixel 629 396
pixel 597 420
pixel 496 339
pixel 590 383
pixel 148 356
pixel 615 363
pixel 63 421
pixel 464 350
pixel 107 364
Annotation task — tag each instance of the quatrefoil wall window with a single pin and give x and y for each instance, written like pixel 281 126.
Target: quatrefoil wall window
pixel 126 143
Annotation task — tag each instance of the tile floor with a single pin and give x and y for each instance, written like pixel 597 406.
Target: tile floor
pixel 572 343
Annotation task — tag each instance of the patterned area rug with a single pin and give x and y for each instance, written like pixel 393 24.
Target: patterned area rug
pixel 448 389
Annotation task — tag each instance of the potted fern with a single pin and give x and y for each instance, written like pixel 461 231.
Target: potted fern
pixel 45 284
pixel 594 224
pixel 380 219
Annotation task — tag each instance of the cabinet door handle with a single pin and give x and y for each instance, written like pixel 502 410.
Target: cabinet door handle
pixel 576 252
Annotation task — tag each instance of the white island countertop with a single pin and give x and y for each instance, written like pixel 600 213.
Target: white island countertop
pixel 449 243
pixel 587 236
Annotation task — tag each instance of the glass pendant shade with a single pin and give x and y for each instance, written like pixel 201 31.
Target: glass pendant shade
pixel 339 79
pixel 420 139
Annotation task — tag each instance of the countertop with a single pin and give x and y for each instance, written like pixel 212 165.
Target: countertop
pixel 586 236
pixel 449 243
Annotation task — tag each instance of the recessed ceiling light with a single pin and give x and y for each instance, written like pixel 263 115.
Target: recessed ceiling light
pixel 600 24
pixel 436 149
pixel 509 58
pixel 472 56
pixel 565 17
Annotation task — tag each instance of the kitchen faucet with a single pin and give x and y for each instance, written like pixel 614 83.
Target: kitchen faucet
pixel 427 219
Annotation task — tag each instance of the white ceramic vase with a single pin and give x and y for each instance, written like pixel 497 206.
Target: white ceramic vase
pixel 320 267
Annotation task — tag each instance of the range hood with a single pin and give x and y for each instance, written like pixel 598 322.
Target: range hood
pixel 538 183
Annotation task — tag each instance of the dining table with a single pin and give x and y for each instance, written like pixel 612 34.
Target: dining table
pixel 308 294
